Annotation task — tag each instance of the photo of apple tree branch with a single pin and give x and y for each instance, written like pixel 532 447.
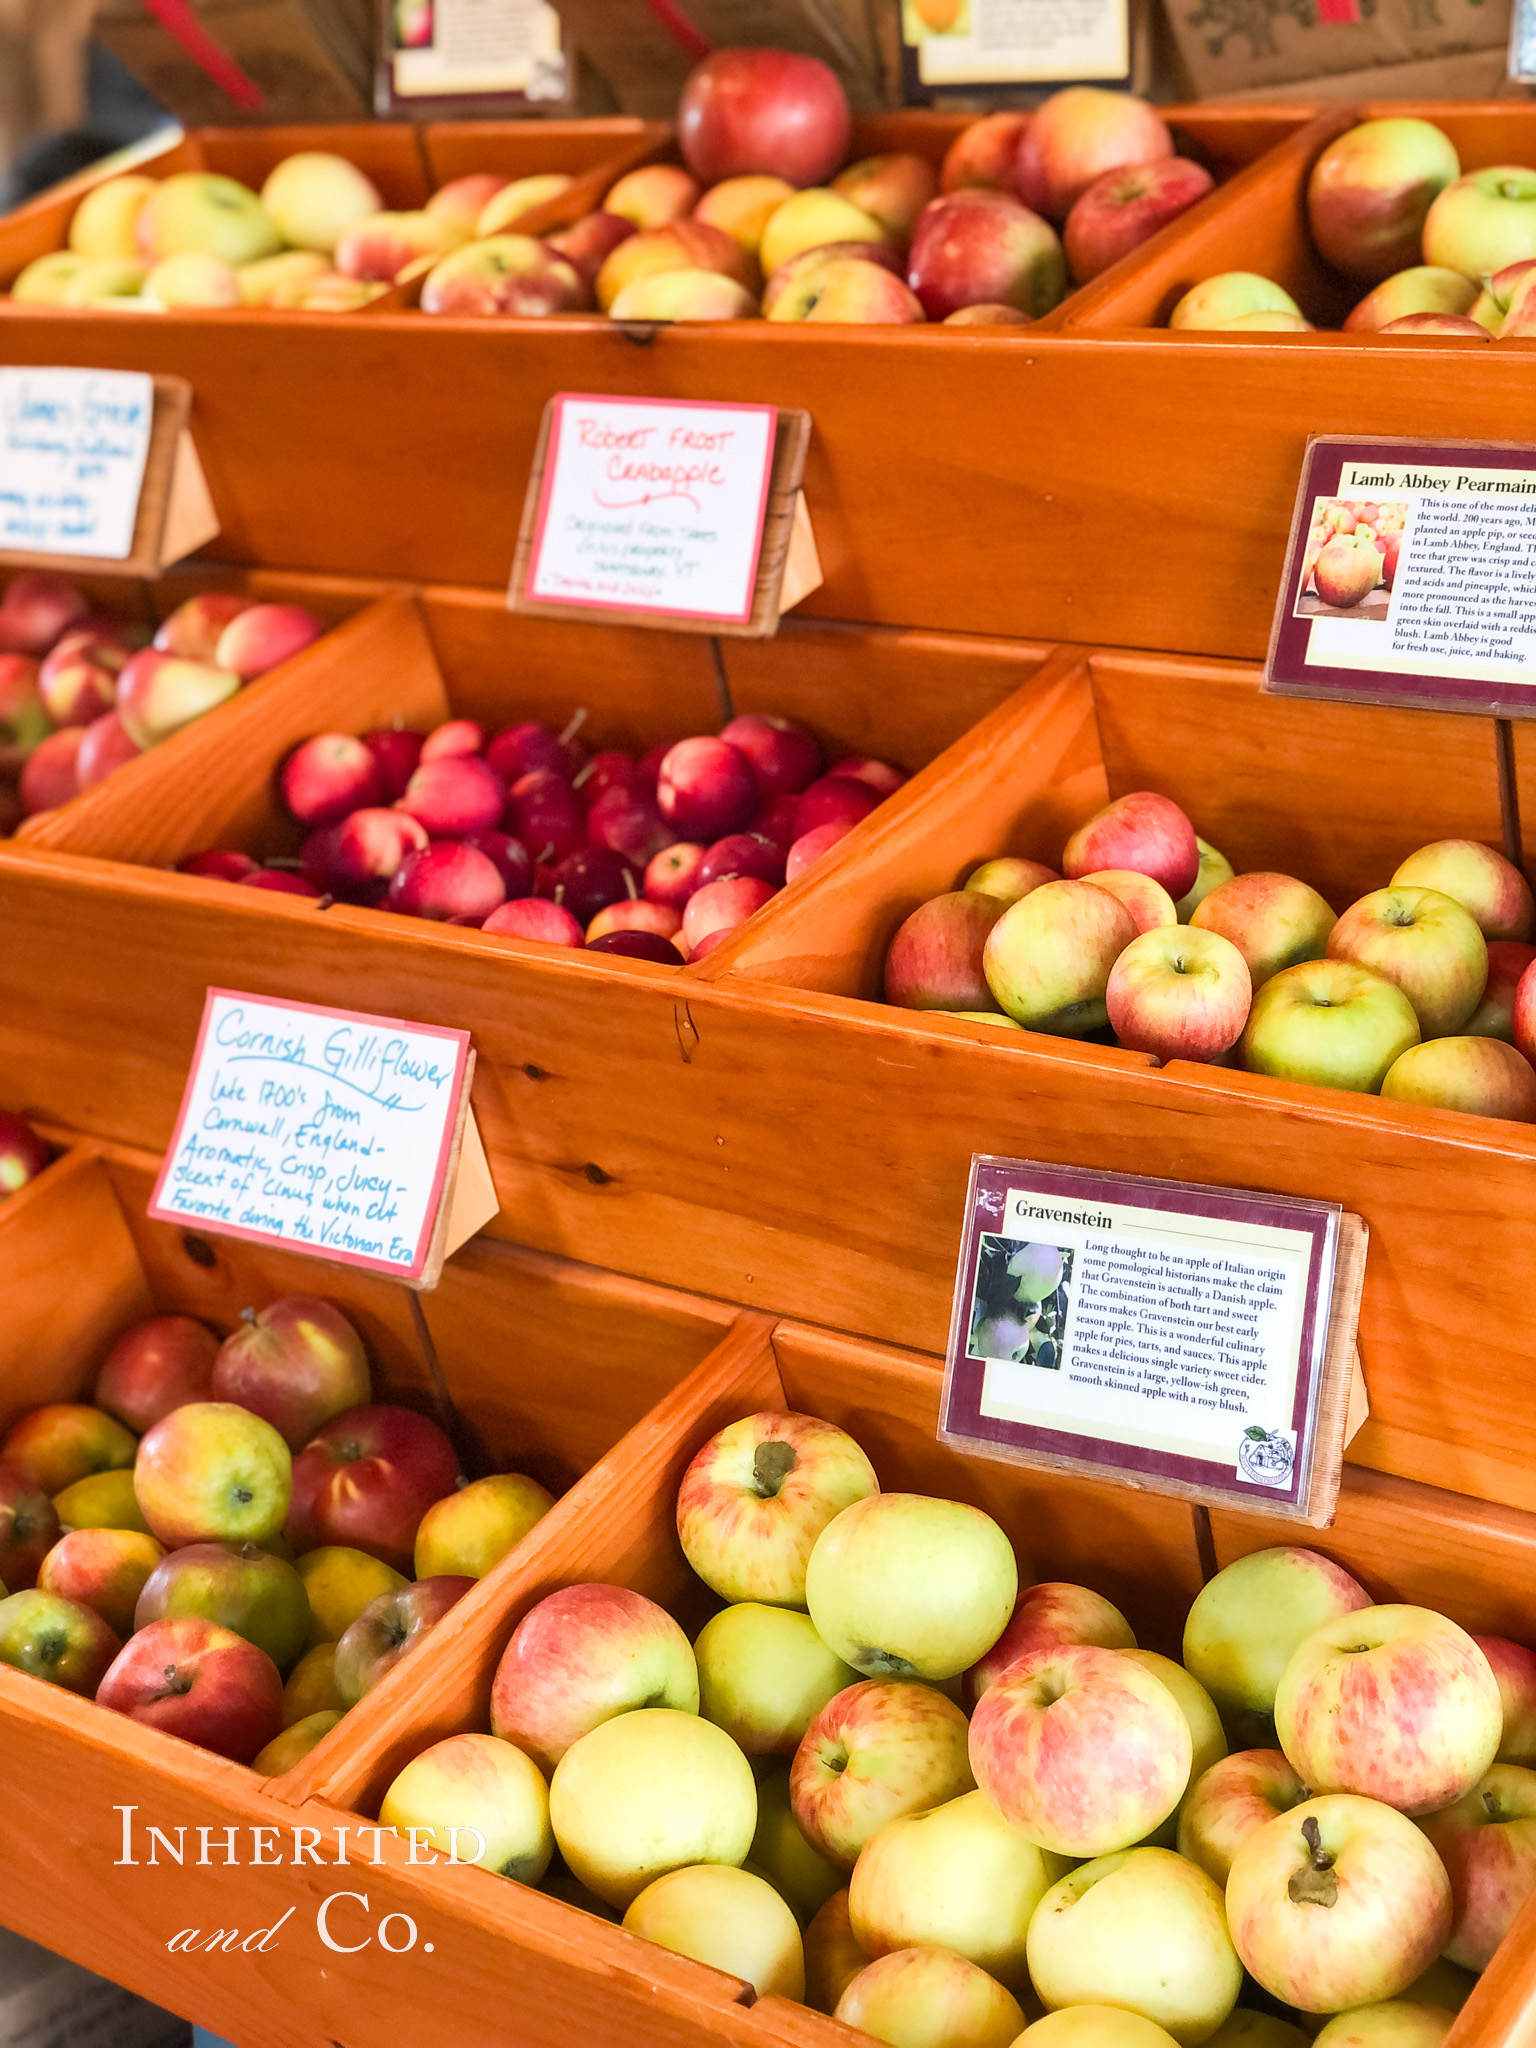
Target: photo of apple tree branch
pixel 1019 1307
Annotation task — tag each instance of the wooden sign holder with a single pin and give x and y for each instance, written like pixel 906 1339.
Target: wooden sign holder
pixel 788 566
pixel 469 1198
pixel 175 514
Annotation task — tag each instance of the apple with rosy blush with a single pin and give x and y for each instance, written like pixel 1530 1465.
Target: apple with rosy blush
pixel 191 1678
pixel 533 917
pixel 1245 1623
pixel 1425 944
pixel 1075 137
pixel 1010 879
pixel 1148 902
pixel 1491 889
pixel 1232 1800
pixel 984 248
pixel 1048 958
pixel 653 196
pixel 928 1995
pixel 1275 921
pixel 879 1749
pixel 984 153
pixel 261 636
pixel 935 960
pixel 389 1629
pixel 103 1569
pixel 296 1362
pixel 67 1440
pixel 366 1479
pixel 1487 1842
pixel 1479 1076
pixel 1126 207
pixel 805 851
pixel 1052 1612
pixel 764 111
pixel 1514 1671
pixel 1371 192
pixel 448 882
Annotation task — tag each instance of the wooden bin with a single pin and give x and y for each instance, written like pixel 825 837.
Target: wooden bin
pixel 1147 1553
pixel 566 1372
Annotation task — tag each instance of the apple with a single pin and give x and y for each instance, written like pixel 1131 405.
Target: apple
pixel 747 854
pixel 1500 292
pixel 286 279
pixel 1489 888
pixel 203 213
pixel 834 799
pixel 1348 568
pixel 1246 1622
pixel 742 207
pixel 591 878
pixel 50 775
pixel 1481 1076
pixel 727 1918
pixel 103 1569
pixel 244 1588
pixel 1329 1022
pixel 279 883
pixel 1010 879
pixel 588 244
pixel 313 197
pixel 1392 2023
pixel 706 788
pixel 1483 222
pixel 1208 1742
pixel 1179 992
pixel 1444 1984
pixel 209 1472
pixel 754 1501
pixel 204 1683
pixel 893 188
pixel 928 1996
pixel 1075 137
pixel 29 1527
pixel 1340 1902
pixel 297 1362
pixel 102 1500
pixel 514 200
pixel 773 112
pixel 339 1583
pixel 986 316
pixel 1143 832
pixel 648 1792
pixel 46 280
pixel 784 756
pixel 378 247
pixel 801 275
pixel 261 636
pixel 683 245
pixel 1370 191
pixel 359 856
pixel 979 247
pixel 1081 1749
pixel 519 750
pixel 474 1792
pixel 511 274
pixel 23 720
pixel 64 1441
pixel 105 223
pixel 194 628
pixel 833 1957
pixel 310 1687
pixel 545 813
pixel 38 609
pixel 469 1531
pixel 328 777
pixel 984 153
pixel 1218 302
pixel 764 1675
pixel 1126 207
pixel 295 1742
pixel 105 748
pixel 1487 1842
pixel 530 917
pixel 366 1479
pixel 1436 323
pixel 1229 1801
pixel 78 679
pixel 1048 958
pixel 1139 1928
pixel 653 197
pixel 192 279
pixel 683 295
pixel 23 1155
pixel 157 694
pixel 955 1876
pixel 1514 1671
pixel 1396 1703
pixel 901 1585
pixel 1425 944
pixel 1109 2026
pixel 780 1851
pixel 813 219
pixel 805 851
pixel 390 1628
pixel 844 291
pixel 880 1749
pixel 1424 288
pixel 935 959
pixel 1051 1612
pixel 1273 920
pixel 55 1639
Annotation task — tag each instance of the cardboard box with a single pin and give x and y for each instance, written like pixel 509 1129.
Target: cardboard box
pixel 1235 46
pixel 312 60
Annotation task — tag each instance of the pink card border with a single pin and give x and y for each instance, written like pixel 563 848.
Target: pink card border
pixel 424 1243
pixel 547 484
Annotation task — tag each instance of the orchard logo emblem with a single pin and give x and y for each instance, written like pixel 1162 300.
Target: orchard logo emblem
pixel 1266 1455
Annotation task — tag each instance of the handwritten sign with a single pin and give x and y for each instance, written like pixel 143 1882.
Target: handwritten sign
pixel 652 506
pixel 73 444
pixel 1411 577
pixel 323 1131
pixel 1175 1337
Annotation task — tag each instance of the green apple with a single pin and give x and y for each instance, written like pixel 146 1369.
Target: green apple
pixel 1143 1929
pixel 1246 1622
pixel 904 1586
pixel 729 1919
pixel 1483 222
pixel 1010 879
pixel 56 1639
pixel 764 1676
pixel 1425 944
pixel 1214 869
pixel 783 1852
pixel 1482 1076
pixel 211 215
pixel 476 1799
pixel 1207 1738
pixel 1330 1022
pixel 1232 295
pixel 1047 960
pixel 243 1588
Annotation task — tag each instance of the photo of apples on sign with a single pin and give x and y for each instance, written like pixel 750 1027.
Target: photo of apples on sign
pixel 1351 558
pixel 1019 1308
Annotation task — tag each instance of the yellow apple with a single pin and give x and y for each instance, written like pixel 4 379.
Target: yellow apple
pixel 105 223
pixel 506 207
pixel 810 220
pixel 193 279
pixel 729 1919
pixel 743 206
pixel 314 196
pixel 310 1687
pixel 931 1998
pixel 295 1742
pixel 475 1786
pixel 1231 295
pixel 271 280
pixel 469 1531
pixel 340 1583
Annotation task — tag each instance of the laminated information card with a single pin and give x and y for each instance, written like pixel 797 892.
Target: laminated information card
pixel 1188 1339
pixel 1411 577
pixel 73 445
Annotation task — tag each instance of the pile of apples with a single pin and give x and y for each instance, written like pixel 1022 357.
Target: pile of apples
pixel 1422 991
pixel 23 1154
pixel 888 1781
pixel 235 1543
pixel 1388 205
pixel 763 221
pixel 527 834
pixel 1352 549
pixel 77 700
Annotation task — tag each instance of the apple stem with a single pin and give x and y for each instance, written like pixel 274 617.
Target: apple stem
pixel 247 1315
pixel 772 1464
pixel 585 775
pixel 629 883
pixel 577 721
pixel 1317 1882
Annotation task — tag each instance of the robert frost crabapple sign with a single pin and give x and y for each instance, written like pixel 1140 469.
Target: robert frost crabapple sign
pixel 322 1131
pixel 652 505
pixel 1171 1336
pixel 73 444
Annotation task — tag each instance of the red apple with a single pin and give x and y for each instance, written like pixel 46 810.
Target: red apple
pixel 455 736
pixel 546 814
pixel 769 111
pixel 519 749
pixel 57 1640
pixel 892 189
pixel 984 154
pixel 1051 1612
pixel 224 864
pixel 360 855
pixel 627 821
pixel 531 917
pixel 366 1479
pixel 204 1683
pixel 1275 921
pixel 978 247
pixel 106 746
pixel 579 1657
pixel 155 1366
pixel 636 945
pixel 194 629
pixel 157 694
pixel 673 875
pixel 29 1527
pixel 105 1570
pixel 1126 207
pixel 805 851
pixel 743 853
pixel 835 799
pixel 637 914
pixel 396 753
pixel 296 1363
pixel 1144 832
pixel 882 776
pixel 1452 324
pixel 610 769
pixel 23 1155
pixel 50 775
pixel 453 796
pixel 447 882
pixel 784 755
pixel 37 609
pixel 1075 137
pixel 706 788
pixel 508 856
pixel 328 776
pixel 588 244
pixel 775 819
pixel 389 1628
pixel 591 878
pixel 934 961
pixel 23 721
pixel 279 883
pixel 721 906
pixel 1494 1016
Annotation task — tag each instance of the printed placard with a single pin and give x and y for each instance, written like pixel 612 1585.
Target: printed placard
pixel 954 44
pixel 1411 577
pixel 1168 1335
pixel 323 1131
pixel 73 445
pixel 652 506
